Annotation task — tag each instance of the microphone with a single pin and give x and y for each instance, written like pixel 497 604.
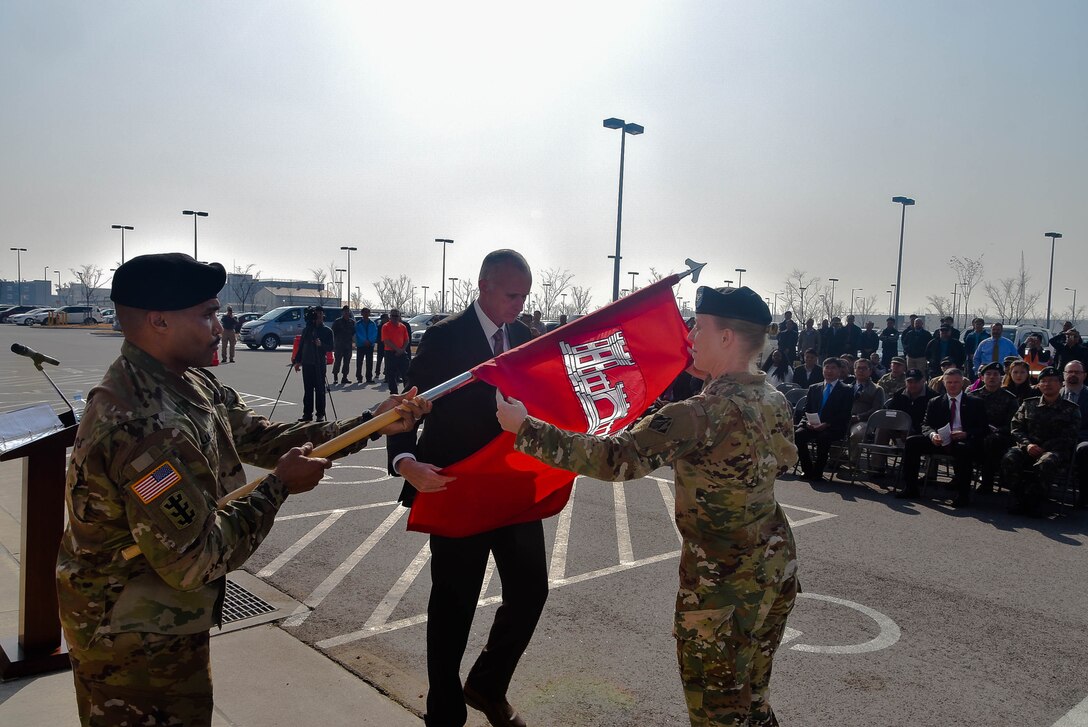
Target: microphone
pixel 30 353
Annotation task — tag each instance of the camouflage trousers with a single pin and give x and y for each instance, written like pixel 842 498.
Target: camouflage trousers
pixel 725 653
pixel 144 679
pixel 1029 479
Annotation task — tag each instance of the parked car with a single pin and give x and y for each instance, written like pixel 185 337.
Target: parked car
pixel 14 310
pixel 279 325
pixel 38 315
pixel 86 314
pixel 419 324
pixel 108 314
pixel 244 318
pixel 1018 334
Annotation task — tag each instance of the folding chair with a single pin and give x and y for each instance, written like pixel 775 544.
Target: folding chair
pixel 897 424
pixel 795 394
pixel 786 387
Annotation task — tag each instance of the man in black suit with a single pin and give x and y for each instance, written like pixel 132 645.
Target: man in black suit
pixel 833 403
pixel 809 372
pixel 942 347
pixel 966 419
pixel 458 425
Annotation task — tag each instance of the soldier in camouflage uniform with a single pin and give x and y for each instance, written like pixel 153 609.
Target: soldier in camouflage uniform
pixel 1045 432
pixel 895 379
pixel 1001 405
pixel 159 442
pixel 738 567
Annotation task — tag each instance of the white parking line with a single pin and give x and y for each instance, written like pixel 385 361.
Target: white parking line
pixel 325 588
pixel 623 528
pixel 280 560
pixel 562 534
pixel 670 503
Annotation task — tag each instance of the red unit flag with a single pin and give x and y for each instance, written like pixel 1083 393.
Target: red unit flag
pixel 596 375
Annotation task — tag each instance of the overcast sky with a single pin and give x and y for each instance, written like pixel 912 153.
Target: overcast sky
pixel 776 135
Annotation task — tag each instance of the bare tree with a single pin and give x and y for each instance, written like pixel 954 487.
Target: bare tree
pixel 394 292
pixel 1075 314
pixel 1011 297
pixel 656 276
pixel 320 275
pixel 968 274
pixel 553 283
pixel 580 299
pixel 801 303
pixel 88 276
pixel 244 284
pixel 865 307
pixel 828 307
pixel 942 305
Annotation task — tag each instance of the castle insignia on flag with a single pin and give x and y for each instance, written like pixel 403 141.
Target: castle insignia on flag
pixel 156 482
pixel 603 402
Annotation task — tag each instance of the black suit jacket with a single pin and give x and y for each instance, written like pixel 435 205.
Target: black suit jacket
pixel 972 416
pixel 805 380
pixel 837 411
pixel 462 422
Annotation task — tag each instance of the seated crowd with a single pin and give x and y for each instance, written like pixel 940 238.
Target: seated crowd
pixel 971 401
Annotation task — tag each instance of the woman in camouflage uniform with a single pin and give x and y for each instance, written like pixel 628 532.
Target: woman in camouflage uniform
pixel 738 569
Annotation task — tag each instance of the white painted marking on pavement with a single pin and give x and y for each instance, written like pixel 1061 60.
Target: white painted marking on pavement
pixel 889 630
pixel 489 572
pixel 817 515
pixel 383 474
pixel 333 580
pixel 396 593
pixel 1076 717
pixel 315 513
pixel 558 567
pixel 623 528
pixel 283 558
pixel 670 503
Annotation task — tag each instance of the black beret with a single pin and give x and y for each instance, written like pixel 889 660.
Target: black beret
pixel 916 375
pixel 992 366
pixel 166 281
pixel 742 304
pixel 1049 371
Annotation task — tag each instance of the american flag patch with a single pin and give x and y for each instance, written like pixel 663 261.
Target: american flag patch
pixel 161 479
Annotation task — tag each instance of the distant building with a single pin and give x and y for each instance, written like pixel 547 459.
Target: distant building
pixel 34 292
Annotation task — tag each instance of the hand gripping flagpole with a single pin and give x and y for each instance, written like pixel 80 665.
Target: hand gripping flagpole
pixel 367 428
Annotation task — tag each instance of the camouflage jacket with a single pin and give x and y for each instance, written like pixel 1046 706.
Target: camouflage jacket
pixel 728 444
pixel 153 453
pixel 890 384
pixel 1001 406
pixel 1053 427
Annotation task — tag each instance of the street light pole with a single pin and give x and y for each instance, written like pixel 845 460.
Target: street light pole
pixel 633 273
pixel 443 278
pixel 740 275
pixel 547 306
pixel 340 285
pixel 453 289
pixel 775 312
pixel 349 249
pixel 831 307
pixel 1054 236
pixel 122 228
pixel 802 311
pixel 425 289
pixel 1073 312
pixel 852 299
pixel 954 308
pixel 625 129
pixel 19 270
pixel 728 282
pixel 906 202
pixel 889 292
pixel 195 214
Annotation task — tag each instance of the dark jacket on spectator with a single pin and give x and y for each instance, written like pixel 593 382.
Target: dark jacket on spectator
pixel 915 341
pixel 955 351
pixel 900 401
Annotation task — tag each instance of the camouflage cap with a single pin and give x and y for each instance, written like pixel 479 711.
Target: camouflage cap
pixel 742 304
pixel 166 281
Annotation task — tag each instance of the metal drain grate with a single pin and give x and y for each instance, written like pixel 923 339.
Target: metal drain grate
pixel 241 604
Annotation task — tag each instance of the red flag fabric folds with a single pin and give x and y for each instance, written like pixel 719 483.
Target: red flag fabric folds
pixel 596 374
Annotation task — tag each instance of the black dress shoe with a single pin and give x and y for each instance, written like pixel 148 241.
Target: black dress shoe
pixel 500 713
pixel 907 493
pixel 305 419
pixel 961 502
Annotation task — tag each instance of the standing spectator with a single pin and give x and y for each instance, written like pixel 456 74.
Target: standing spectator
pixel 1074 392
pixel 1001 406
pixel 230 335
pixel 536 325
pixel 950 322
pixel 787 338
pixel 382 320
pixel 833 404
pixel 1068 346
pixel 963 420
pixel 994 348
pixel 915 340
pixel 838 338
pixel 343 335
pixel 778 369
pixel 1045 432
pixel 808 337
pixel 944 346
pixel 1037 357
pixel 366 336
pixel 869 340
pixel 970 342
pixel 826 340
pixel 809 372
pixel 394 334
pixel 889 343
pixel 867 399
pixel 851 333
pixel 314 343
pixel 896 378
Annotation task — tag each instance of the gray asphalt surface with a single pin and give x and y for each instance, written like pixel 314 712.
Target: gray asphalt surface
pixel 913 613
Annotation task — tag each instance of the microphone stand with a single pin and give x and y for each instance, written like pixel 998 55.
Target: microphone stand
pixel 70 418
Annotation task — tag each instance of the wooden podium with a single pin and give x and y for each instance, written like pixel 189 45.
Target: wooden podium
pixel 39 646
